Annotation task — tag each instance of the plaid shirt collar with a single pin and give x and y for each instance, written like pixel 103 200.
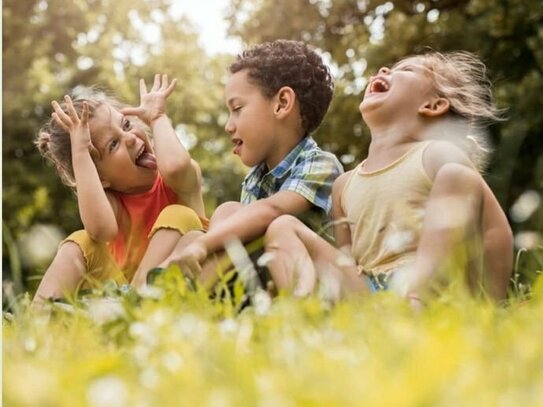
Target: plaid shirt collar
pixel 260 171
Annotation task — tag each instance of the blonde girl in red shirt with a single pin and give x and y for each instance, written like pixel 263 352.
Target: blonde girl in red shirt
pixel 127 189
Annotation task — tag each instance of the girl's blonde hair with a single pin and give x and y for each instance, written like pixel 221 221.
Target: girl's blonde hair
pixel 461 78
pixel 53 141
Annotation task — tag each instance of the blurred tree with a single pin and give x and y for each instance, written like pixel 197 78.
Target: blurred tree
pixel 360 36
pixel 51 46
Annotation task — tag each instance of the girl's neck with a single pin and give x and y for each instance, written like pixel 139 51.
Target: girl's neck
pixel 388 143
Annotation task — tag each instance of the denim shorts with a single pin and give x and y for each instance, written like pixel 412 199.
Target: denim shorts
pixel 377 282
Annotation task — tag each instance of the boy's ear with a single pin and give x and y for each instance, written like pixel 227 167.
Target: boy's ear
pixel 285 100
pixel 436 106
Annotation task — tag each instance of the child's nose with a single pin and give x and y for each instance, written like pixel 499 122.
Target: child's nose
pixel 384 70
pixel 130 139
pixel 229 126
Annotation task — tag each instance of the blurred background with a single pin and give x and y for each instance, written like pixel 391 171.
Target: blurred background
pixel 51 46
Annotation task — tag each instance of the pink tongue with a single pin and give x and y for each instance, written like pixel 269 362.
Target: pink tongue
pixel 147 160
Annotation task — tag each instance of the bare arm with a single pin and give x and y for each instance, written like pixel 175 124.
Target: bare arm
pixel 179 171
pixel 252 220
pixel 248 223
pixel 342 230
pixel 95 207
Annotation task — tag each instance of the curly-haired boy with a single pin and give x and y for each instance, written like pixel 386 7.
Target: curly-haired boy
pixel 277 95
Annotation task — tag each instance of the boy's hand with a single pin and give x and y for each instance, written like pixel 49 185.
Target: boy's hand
pixel 76 126
pixel 153 103
pixel 191 258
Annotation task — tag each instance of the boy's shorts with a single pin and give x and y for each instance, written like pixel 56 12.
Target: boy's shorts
pixel 100 263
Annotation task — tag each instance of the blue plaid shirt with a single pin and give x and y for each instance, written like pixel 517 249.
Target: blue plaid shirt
pixel 306 170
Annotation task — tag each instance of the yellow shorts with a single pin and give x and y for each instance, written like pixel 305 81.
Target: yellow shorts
pixel 100 263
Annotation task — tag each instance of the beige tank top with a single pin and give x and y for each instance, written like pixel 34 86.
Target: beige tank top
pixel 385 210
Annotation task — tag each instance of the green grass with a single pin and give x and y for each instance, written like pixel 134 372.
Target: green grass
pixel 173 347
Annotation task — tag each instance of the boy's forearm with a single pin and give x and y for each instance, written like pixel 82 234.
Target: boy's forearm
pixel 247 224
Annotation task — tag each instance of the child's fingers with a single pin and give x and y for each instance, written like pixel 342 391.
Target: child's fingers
pixel 164 82
pixel 143 88
pixel 156 84
pixel 132 111
pixel 170 88
pixel 71 110
pixel 60 122
pixel 62 117
pixel 85 114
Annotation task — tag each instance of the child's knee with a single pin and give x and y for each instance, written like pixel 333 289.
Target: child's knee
pixel 225 210
pixel 177 217
pixel 281 225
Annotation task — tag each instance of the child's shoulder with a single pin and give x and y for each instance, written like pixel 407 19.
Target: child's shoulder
pixel 440 152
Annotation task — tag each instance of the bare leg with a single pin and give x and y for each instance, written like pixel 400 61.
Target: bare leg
pixel 172 224
pixel 160 246
pixel 452 224
pixel 300 257
pixel 210 272
pixel 64 275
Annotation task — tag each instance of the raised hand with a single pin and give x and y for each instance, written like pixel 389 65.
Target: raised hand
pixel 152 103
pixel 77 127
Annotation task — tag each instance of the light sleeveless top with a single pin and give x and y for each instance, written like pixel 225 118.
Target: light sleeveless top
pixel 385 210
pixel 137 215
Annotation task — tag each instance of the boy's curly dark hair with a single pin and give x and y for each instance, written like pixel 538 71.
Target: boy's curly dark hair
pixel 272 65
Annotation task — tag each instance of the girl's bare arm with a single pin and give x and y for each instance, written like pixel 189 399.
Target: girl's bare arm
pixel 95 208
pixel 179 171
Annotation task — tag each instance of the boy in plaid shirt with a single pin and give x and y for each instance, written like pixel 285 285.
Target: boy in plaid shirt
pixel 277 95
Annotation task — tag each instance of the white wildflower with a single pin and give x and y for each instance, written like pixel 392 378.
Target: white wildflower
pixel 261 302
pixel 103 310
pixel 172 361
pixel 264 260
pixel 109 391
pixel 149 378
pixel 228 326
pixel 144 333
pixel 329 287
pixel 525 206
pixel 151 292
pixel 243 264
pixel 30 344
pixel 528 240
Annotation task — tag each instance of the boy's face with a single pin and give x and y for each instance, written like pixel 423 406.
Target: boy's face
pixel 251 122
pixel 398 91
pixel 125 159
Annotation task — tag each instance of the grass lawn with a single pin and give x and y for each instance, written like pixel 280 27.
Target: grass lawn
pixel 171 346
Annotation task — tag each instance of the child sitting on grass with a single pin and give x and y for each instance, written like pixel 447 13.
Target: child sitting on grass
pixel 277 95
pixel 416 206
pixel 126 189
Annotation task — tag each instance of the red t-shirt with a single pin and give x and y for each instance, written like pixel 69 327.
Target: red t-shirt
pixel 137 215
